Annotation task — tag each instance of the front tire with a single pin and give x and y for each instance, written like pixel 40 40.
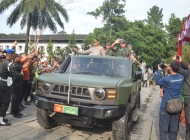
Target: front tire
pixel 44 120
pixel 121 128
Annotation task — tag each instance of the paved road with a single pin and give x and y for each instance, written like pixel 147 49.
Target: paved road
pixel 27 128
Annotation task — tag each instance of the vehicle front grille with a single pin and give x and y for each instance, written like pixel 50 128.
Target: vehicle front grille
pixel 76 92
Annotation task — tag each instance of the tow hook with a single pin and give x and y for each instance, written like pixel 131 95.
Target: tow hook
pixel 52 114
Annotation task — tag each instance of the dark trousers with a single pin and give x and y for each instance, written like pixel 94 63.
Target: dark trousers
pixel 168 123
pixel 16 95
pixel 28 91
pixel 33 90
pixel 5 97
pixel 144 82
pixel 187 117
pixel 24 89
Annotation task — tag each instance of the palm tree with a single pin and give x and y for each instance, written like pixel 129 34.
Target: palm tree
pixel 37 14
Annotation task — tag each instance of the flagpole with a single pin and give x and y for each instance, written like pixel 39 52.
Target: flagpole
pixel 69 89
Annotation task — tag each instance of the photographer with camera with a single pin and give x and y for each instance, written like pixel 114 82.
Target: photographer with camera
pixel 185 71
pixel 169 116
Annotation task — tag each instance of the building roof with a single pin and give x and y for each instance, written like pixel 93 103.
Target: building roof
pixel 43 38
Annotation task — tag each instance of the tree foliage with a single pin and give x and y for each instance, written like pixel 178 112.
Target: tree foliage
pixel 151 40
pixel 37 14
pixel 154 17
pixel 50 49
pixel 72 40
pixel 173 29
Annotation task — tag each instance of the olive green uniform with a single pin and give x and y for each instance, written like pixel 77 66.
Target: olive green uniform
pixel 124 52
pixel 108 52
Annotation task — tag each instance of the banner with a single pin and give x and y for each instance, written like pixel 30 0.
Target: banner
pixel 184 36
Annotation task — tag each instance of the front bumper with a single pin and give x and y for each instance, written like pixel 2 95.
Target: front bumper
pixel 93 111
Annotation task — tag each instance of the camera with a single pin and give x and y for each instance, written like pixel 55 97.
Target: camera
pixel 162 66
pixel 2 57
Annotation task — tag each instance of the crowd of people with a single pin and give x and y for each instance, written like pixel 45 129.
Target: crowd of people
pixel 18 73
pixel 174 83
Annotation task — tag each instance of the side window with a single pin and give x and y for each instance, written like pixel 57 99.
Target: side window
pixel 20 48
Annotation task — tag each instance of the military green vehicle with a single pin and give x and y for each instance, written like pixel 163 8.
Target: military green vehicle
pixel 90 90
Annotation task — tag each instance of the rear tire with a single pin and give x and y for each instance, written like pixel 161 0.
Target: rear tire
pixel 121 128
pixel 44 120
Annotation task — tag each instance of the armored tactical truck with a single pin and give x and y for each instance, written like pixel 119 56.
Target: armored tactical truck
pixel 90 90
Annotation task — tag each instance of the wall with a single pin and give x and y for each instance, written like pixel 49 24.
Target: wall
pixel 20 46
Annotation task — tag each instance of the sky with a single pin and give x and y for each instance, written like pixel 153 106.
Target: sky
pixel 82 23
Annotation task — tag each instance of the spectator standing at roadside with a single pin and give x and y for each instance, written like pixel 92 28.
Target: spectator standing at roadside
pixel 17 87
pixel 185 71
pixel 6 85
pixel 25 60
pixel 145 78
pixel 154 81
pixel 148 80
pixel 168 122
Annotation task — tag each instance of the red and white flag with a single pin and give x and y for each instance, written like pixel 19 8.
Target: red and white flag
pixel 184 36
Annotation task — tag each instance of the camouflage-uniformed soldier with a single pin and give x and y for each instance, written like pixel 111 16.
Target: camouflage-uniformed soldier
pixel 123 51
pixel 95 50
pixel 108 51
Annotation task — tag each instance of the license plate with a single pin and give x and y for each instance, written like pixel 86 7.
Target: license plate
pixel 66 109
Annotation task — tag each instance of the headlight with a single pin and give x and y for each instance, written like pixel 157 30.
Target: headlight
pixel 46 87
pixel 99 94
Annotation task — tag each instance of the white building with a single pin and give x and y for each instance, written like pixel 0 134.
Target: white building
pixel 59 41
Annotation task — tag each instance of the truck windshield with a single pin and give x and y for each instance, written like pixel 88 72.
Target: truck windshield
pixel 99 66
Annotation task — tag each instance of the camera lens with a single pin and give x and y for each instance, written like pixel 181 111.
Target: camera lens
pixel 161 65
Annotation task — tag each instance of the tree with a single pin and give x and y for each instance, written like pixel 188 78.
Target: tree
pixel 61 32
pixel 50 49
pixel 186 53
pixel 31 48
pixel 36 14
pixel 154 17
pixel 2 34
pixel 173 29
pixel 113 15
pixel 72 40
pixel 42 51
pixel 59 52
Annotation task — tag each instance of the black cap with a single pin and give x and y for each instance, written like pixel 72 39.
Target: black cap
pixel 16 55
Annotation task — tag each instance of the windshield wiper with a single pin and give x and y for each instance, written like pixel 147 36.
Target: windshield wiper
pixel 111 74
pixel 85 72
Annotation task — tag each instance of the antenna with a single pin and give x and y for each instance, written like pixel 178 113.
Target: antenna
pixel 68 100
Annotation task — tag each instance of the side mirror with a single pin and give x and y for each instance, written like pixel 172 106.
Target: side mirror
pixel 138 75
